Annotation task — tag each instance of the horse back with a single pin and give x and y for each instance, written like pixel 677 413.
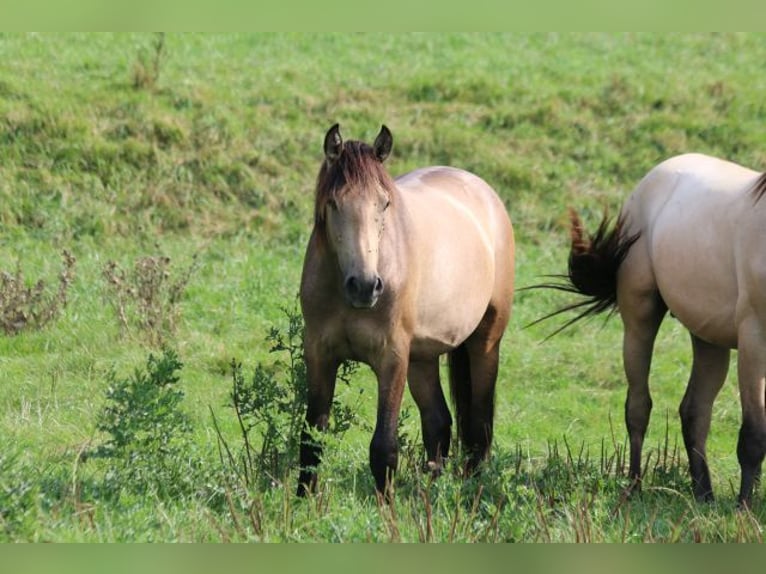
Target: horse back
pixel 463 203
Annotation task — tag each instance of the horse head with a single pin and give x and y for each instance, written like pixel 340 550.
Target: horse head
pixel 354 193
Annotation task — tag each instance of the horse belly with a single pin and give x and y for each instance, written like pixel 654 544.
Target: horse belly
pixel 450 311
pixel 709 317
pixel 438 335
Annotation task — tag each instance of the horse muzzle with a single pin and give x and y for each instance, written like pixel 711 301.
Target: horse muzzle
pixel 363 293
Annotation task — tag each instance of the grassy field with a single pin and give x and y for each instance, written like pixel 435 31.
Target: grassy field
pixel 188 161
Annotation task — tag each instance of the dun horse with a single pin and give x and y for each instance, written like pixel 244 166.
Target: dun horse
pixel 398 272
pixel 690 239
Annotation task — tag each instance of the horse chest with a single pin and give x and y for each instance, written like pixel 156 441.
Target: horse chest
pixel 364 340
pixel 356 336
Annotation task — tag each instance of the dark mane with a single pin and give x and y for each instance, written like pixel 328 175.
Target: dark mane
pixel 760 187
pixel 356 168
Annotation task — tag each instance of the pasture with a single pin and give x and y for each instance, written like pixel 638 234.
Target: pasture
pixel 186 164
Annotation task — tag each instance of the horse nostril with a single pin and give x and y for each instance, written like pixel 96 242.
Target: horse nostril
pixel 363 292
pixel 352 286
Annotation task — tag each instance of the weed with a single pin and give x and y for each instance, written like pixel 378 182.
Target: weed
pixel 146 68
pixel 23 307
pixel 147 297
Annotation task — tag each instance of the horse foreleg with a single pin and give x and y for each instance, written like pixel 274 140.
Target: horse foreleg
pixel 320 374
pixel 709 369
pixel 751 366
pixel 384 448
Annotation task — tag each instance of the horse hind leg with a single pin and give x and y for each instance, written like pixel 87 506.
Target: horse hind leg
pixel 473 374
pixel 460 389
pixel 435 418
pixel 709 369
pixel 484 367
pixel 642 316
pixel 751 367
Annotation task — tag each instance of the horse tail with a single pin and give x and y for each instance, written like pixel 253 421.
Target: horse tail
pixel 460 386
pixel 592 269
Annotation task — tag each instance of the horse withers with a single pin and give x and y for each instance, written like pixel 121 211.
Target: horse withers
pixel 397 273
pixel 690 239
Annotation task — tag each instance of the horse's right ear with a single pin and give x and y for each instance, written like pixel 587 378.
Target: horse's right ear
pixel 333 143
pixel 383 143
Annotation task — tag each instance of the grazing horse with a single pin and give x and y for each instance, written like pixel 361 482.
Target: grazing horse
pixel 690 239
pixel 398 272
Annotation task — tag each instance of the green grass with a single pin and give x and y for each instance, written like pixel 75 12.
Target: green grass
pixel 218 158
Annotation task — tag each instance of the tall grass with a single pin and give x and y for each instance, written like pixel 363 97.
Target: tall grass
pixel 213 152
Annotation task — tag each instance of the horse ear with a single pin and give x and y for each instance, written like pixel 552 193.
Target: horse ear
pixel 383 143
pixel 333 143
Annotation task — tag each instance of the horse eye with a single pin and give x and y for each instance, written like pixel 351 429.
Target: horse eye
pixel 388 202
pixel 333 205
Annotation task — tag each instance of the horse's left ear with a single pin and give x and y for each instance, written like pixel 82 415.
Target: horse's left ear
pixel 333 143
pixel 383 143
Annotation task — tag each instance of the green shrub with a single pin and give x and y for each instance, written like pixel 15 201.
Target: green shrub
pixel 270 408
pixel 148 435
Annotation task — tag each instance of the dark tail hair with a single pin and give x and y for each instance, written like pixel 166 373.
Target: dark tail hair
pixel 592 271
pixel 759 188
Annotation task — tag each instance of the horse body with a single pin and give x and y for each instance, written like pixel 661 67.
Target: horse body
pixel 690 240
pixel 459 238
pixel 428 271
pixel 693 213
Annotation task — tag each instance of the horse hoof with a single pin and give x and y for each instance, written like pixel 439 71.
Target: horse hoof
pixel 435 468
pixel 705 498
pixel 633 489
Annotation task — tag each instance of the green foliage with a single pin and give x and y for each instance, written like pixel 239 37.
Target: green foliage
pixel 270 409
pixel 143 410
pixel 18 494
pixel 147 429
